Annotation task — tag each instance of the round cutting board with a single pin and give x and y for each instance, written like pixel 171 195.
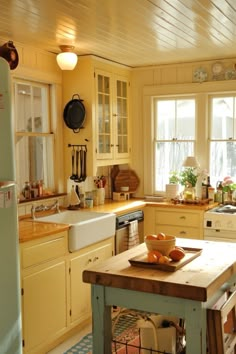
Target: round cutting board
pixel 126 178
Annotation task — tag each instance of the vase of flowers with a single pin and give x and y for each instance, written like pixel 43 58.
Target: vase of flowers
pixel 229 188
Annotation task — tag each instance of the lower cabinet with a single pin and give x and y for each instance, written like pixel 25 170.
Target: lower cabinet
pixel 185 223
pixel 80 292
pixel 43 283
pixel 54 297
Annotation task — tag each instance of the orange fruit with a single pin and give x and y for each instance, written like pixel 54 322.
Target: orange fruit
pixel 157 253
pixel 152 258
pixel 163 260
pixel 151 237
pixel 161 236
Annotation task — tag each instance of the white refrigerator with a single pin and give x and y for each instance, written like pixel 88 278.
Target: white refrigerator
pixel 10 314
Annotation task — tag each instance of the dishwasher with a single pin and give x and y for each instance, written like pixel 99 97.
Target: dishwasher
pixel 122 229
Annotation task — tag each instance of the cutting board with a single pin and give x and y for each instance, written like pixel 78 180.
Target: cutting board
pixel 142 261
pixel 126 178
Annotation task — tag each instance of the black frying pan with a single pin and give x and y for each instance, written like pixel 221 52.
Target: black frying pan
pixel 74 114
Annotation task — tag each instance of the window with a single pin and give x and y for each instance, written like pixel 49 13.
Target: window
pixel 174 138
pixel 222 136
pixel 34 140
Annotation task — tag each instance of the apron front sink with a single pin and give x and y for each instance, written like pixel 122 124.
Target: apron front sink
pixel 86 227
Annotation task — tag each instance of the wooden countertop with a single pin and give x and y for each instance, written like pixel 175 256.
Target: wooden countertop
pixel 197 280
pixel 29 230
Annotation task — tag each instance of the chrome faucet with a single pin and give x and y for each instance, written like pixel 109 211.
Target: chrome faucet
pixel 42 207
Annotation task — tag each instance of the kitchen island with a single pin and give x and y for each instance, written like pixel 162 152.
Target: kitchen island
pixel 185 293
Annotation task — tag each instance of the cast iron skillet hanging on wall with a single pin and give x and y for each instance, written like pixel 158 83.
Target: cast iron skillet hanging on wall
pixel 74 114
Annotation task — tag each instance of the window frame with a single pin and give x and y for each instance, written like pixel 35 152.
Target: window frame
pixel 202 92
pixel 47 134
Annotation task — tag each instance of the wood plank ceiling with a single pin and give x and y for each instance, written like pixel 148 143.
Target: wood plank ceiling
pixel 132 32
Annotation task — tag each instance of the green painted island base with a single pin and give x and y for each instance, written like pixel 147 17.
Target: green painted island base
pixel 193 312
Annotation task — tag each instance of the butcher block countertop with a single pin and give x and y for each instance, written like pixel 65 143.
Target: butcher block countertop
pixel 197 280
pixel 29 230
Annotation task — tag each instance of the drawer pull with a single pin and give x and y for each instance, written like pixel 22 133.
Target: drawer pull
pixel 183 232
pixel 183 217
pixel 95 259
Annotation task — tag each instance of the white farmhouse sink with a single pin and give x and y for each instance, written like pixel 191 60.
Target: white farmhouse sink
pixel 86 227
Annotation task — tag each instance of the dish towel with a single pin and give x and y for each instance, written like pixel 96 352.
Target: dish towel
pixel 133 236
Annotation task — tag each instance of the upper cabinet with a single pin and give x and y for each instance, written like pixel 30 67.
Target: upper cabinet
pixel 104 89
pixel 112 113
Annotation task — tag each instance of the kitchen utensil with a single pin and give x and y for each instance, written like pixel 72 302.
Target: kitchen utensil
pixel 74 113
pixel 77 166
pixel 73 176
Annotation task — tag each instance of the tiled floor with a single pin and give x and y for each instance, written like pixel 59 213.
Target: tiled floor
pixel 62 348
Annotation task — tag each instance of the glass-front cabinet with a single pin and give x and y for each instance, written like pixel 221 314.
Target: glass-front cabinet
pixel 112 117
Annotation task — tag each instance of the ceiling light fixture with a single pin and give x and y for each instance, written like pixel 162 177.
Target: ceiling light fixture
pixel 67 59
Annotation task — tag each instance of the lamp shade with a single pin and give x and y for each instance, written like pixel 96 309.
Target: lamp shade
pixel 67 60
pixel 190 161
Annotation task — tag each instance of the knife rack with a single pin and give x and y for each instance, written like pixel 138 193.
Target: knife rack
pixel 80 146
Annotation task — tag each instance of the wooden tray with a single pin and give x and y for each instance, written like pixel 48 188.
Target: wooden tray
pixel 190 254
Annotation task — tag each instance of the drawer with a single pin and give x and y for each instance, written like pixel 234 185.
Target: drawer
pixel 35 253
pixel 178 231
pixel 177 218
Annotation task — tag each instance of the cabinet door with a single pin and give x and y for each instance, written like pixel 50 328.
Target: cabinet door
pixel 44 305
pixel 80 291
pixel 105 144
pixel 120 115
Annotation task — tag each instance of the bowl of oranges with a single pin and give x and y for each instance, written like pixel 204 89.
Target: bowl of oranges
pixel 161 242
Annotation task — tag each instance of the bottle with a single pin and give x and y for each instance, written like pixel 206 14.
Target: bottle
pixel 40 188
pixel 27 190
pixel 219 192
pixel 204 190
pixel 208 185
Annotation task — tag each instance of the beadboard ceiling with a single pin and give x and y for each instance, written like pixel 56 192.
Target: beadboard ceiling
pixel 131 32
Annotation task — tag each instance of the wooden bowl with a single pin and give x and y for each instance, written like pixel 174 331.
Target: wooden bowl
pixel 163 246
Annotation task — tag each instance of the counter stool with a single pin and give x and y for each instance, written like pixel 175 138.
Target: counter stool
pixel 221 325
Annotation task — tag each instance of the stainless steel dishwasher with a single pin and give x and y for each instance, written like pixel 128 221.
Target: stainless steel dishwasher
pixel 122 228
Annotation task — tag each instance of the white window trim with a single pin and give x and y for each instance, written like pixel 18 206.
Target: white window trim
pixel 202 92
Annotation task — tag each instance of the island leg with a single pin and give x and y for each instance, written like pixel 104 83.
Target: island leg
pixel 101 322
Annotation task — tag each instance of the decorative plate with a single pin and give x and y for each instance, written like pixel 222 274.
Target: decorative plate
pixel 217 68
pixel 200 75
pixel 230 74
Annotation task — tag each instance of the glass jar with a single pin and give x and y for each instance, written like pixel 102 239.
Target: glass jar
pixel 189 193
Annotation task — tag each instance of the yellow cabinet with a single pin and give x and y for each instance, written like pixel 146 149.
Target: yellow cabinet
pixel 44 296
pixel 104 89
pixel 80 297
pixel 186 223
pixel 112 113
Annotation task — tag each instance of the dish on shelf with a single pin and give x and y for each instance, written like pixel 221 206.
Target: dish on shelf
pixel 200 75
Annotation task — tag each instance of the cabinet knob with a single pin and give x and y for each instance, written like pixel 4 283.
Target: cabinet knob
pixel 112 145
pixel 95 259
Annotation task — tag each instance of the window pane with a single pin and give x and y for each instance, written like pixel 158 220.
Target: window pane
pixel 222 117
pixel 34 156
pixel 32 105
pixel 222 160
pixel 165 120
pixel 175 119
pixel 169 157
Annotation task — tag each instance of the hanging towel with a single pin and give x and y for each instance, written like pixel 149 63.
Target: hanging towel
pixel 133 236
